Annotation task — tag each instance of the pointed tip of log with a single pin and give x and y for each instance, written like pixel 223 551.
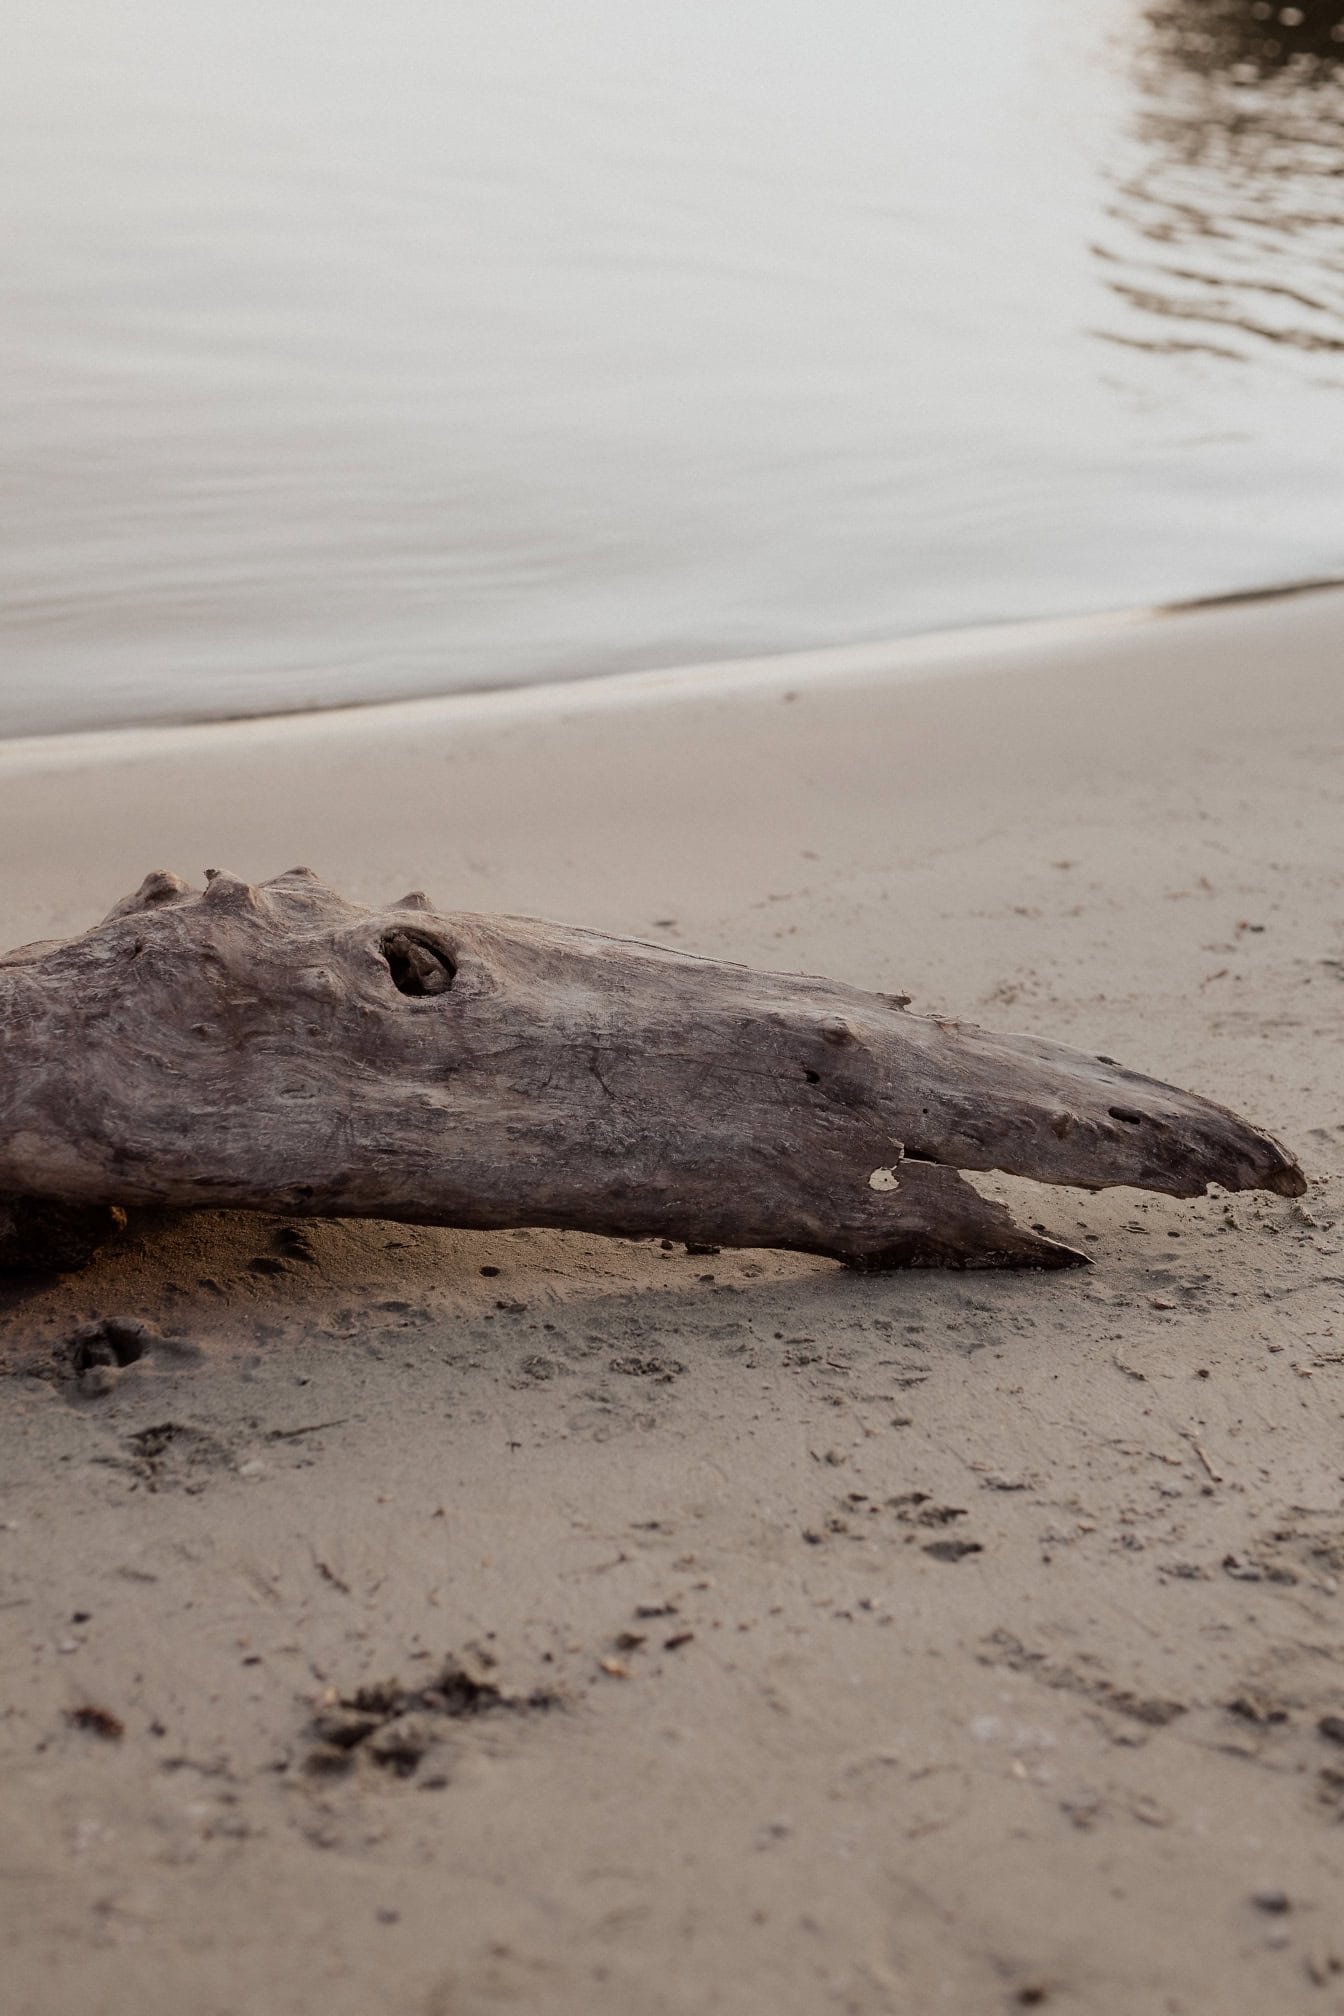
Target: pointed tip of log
pixel 1059 1116
pixel 1018 1249
pixel 1053 1254
pixel 1032 1250
pixel 1240 1157
pixel 1284 1177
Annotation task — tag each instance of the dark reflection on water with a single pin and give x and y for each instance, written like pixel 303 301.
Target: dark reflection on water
pixel 1249 38
pixel 1230 218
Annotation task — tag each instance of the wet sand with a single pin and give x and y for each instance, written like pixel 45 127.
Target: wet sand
pixel 946 1641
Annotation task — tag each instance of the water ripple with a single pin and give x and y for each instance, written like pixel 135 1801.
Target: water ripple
pixel 1228 202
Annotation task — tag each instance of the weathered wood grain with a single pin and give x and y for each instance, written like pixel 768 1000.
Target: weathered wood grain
pixel 276 1048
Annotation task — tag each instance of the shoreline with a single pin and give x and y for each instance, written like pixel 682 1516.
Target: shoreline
pixel 902 656
pixel 910 1639
pixel 687 778
pixel 908 657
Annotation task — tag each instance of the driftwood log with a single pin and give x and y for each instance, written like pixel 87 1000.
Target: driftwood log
pixel 275 1048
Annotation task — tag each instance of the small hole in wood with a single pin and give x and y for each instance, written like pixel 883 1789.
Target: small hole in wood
pixel 812 1077
pixel 417 968
pixel 1127 1114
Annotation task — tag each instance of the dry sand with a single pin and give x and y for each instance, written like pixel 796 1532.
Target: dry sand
pixel 952 1642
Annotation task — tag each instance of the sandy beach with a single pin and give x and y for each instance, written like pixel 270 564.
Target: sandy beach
pixel 773 1639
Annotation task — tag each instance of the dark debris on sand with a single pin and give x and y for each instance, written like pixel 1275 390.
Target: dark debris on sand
pixel 394 1725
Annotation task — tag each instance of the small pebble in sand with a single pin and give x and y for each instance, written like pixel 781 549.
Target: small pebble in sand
pixel 98 1721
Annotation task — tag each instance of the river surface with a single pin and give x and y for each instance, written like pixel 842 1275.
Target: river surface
pixel 351 352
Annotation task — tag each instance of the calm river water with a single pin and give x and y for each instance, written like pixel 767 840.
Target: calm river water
pixel 351 351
